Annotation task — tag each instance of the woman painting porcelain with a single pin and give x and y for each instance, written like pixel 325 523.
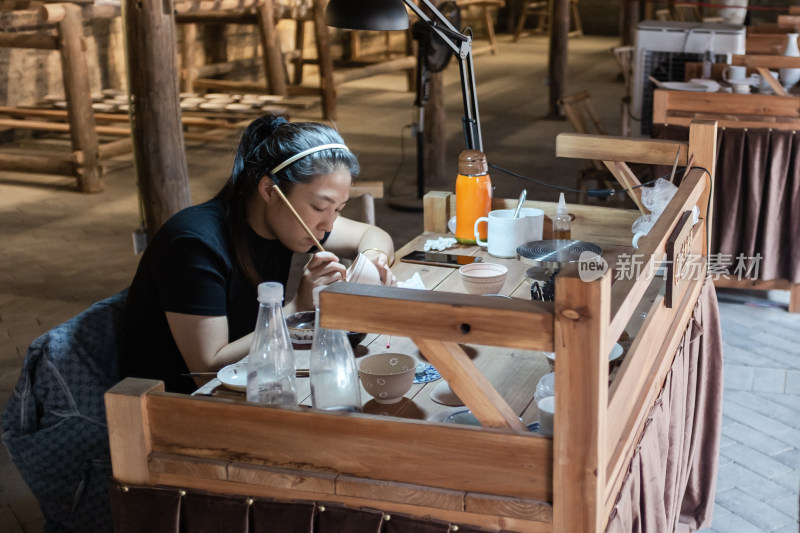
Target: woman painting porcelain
pixel 192 304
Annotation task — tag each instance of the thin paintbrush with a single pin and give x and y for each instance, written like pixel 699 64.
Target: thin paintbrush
pixel 300 220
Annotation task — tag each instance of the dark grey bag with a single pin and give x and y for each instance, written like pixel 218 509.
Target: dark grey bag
pixel 54 424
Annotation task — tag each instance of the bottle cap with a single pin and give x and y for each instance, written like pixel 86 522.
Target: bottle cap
pixel 562 206
pixel 269 292
pixel 315 294
pixel 472 163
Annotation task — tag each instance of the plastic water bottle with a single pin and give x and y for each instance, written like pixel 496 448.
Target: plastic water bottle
pixel 270 364
pixel 332 368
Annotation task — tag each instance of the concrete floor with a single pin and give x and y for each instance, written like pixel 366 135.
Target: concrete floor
pixel 63 251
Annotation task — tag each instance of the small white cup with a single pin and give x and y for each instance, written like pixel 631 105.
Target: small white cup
pixel 547 408
pixel 505 232
pixel 734 73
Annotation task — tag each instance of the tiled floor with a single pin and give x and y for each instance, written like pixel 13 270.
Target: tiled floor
pixel 63 250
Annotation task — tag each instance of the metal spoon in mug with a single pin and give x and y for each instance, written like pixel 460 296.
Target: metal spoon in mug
pixel 522 197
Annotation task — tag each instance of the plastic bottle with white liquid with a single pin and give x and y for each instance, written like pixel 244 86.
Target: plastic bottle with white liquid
pixel 561 221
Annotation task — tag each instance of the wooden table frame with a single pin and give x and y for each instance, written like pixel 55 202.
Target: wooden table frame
pixel 498 476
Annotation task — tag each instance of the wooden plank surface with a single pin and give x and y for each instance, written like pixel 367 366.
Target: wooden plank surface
pixel 488 522
pixel 439 315
pixel 449 457
pixel 589 223
pixel 607 148
pixel 470 385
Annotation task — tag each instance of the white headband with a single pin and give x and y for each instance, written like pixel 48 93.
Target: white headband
pixel 305 153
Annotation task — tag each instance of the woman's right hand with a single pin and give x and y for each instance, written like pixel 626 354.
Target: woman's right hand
pixel 323 269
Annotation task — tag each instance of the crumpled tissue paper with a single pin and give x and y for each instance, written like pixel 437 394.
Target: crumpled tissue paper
pixel 442 243
pixel 414 282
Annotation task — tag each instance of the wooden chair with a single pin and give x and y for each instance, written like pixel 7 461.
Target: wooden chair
pixel 542 10
pixel 584 119
pixel 367 191
pixel 479 12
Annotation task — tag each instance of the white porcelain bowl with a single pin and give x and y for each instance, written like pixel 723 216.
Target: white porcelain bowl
pixel 387 376
pixel 613 357
pixel 483 278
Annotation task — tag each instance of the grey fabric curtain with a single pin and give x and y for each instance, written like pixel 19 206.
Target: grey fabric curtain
pixel 756 197
pixel 671 480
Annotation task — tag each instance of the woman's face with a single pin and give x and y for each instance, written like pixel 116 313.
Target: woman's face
pixel 318 203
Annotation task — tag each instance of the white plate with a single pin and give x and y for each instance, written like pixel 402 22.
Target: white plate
pixel 463 416
pixel 683 86
pixel 710 85
pixel 234 376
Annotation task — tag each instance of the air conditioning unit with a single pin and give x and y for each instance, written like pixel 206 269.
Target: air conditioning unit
pixel 664 47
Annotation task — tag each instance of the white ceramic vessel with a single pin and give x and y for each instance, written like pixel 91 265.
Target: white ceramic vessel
pixel 790 76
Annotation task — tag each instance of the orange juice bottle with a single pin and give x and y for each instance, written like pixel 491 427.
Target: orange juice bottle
pixel 473 195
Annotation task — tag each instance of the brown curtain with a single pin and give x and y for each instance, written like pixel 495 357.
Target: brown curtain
pixel 671 480
pixel 756 197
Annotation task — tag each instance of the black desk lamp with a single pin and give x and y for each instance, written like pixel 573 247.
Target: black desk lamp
pixel 385 15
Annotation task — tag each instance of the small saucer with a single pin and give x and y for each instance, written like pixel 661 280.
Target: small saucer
pixel 444 395
pixel 234 376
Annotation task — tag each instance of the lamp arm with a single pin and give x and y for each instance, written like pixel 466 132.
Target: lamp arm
pixel 448 33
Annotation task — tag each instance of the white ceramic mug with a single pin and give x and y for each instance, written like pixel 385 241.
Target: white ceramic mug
pixel 547 408
pixel 505 232
pixel 734 73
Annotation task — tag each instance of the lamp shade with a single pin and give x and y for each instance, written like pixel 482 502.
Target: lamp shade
pixel 379 15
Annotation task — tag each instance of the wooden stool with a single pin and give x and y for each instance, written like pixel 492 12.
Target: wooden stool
pixel 542 10
pixel 483 17
pixel 263 14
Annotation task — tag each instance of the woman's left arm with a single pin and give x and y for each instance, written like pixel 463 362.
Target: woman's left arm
pixel 349 238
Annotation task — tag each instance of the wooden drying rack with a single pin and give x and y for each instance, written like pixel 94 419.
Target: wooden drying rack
pixel 59 27
pixel 499 476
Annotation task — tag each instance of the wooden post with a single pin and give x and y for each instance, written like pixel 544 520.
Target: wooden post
pixel 129 430
pixel 629 21
pixel 156 128
pixel 703 146
pixel 188 47
pixel 582 311
pixel 325 61
pixel 271 48
pixel 557 66
pixel 436 137
pixel 75 73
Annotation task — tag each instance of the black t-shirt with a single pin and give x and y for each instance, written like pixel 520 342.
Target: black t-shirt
pixel 190 267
